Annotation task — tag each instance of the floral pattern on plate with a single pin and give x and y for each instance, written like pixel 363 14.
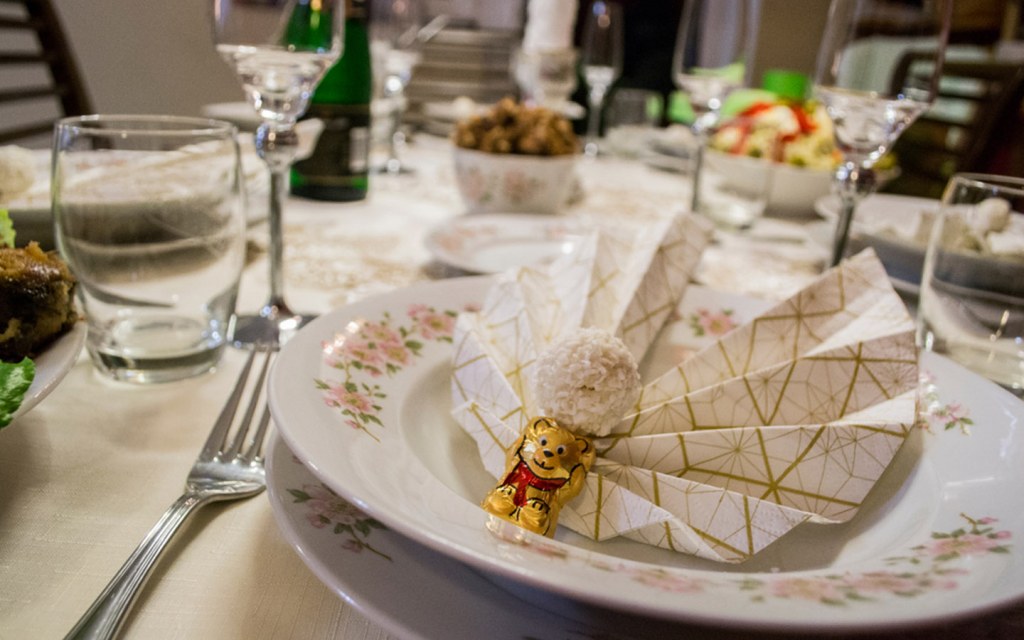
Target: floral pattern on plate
pixel 930 566
pixel 370 349
pixel 326 508
pixel 927 567
pixel 890 552
pixel 409 589
pixel 936 413
pixel 705 322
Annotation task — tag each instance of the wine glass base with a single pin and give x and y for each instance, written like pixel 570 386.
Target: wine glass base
pixel 393 168
pixel 271 329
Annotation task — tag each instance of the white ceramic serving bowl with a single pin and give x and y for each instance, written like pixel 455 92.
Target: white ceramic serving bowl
pixel 492 182
pixel 794 189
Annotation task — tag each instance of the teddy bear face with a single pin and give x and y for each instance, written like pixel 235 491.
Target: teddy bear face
pixel 551 451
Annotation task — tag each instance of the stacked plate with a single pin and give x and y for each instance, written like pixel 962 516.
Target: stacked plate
pixel 459 67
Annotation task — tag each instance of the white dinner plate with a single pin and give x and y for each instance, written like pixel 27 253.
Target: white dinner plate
pixel 410 590
pixel 489 243
pixel 896 226
pixel 361 396
pixel 52 365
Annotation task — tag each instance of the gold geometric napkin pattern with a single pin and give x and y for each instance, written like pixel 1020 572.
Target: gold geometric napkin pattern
pixel 789 418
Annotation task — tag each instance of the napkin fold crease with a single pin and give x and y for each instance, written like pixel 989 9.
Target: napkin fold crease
pixel 790 418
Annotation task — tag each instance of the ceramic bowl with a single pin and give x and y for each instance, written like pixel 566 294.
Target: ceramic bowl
pixel 491 182
pixel 794 189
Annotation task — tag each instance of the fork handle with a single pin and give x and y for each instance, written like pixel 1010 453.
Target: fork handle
pixel 106 615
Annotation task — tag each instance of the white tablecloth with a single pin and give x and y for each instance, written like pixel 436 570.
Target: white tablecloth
pixel 84 475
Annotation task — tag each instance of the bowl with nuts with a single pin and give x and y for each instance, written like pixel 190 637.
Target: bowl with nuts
pixel 515 158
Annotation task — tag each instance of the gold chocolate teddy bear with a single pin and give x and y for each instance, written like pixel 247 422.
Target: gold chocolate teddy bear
pixel 545 469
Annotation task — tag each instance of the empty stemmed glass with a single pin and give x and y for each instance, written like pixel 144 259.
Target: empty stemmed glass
pixel 395 44
pixel 280 51
pixel 714 55
pixel 601 57
pixel 869 109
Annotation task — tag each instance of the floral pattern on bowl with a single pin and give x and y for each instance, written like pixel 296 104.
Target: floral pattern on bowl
pixel 490 182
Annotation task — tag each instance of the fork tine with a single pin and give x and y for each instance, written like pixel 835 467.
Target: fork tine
pixel 250 411
pixel 255 450
pixel 219 433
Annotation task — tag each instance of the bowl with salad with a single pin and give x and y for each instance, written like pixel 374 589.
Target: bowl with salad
pixel 795 135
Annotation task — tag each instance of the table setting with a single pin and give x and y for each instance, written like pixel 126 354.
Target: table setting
pixel 527 387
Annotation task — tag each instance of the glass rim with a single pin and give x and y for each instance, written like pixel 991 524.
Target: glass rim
pixel 1002 182
pixel 128 125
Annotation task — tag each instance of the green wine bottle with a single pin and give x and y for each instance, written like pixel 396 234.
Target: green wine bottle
pixel 310 26
pixel 338 168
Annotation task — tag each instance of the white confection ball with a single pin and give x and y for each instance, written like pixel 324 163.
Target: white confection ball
pixel 991 214
pixel 587 382
pixel 17 171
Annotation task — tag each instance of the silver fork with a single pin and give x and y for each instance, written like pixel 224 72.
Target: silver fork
pixel 227 468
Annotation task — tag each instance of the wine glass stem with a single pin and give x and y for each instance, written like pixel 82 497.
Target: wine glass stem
pixel 847 205
pixel 698 165
pixel 278 189
pixel 394 92
pixel 594 119
pixel 853 183
pixel 277 145
pixel 396 119
pixel 702 128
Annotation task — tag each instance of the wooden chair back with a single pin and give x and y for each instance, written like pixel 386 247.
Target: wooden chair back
pixel 976 118
pixel 39 79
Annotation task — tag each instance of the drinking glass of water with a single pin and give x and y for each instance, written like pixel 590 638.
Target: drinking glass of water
pixel 972 287
pixel 149 217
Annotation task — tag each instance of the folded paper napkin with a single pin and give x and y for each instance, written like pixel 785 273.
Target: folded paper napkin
pixel 788 419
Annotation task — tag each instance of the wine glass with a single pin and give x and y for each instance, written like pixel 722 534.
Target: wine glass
pixel 601 57
pixel 280 51
pixel 714 55
pixel 395 41
pixel 867 111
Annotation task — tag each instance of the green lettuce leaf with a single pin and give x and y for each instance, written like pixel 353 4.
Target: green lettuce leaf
pixel 15 379
pixel 6 229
